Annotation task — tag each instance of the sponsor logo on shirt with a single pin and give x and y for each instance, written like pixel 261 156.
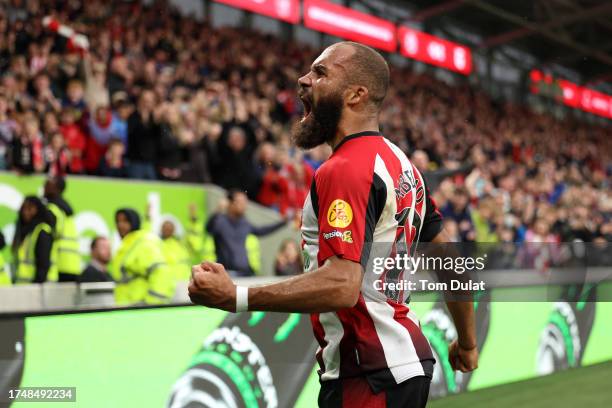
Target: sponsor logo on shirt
pixel 346 236
pixel 339 214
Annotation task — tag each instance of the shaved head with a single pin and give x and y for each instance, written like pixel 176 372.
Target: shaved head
pixel 347 84
pixel 369 69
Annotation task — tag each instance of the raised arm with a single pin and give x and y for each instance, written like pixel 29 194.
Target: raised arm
pixel 333 286
pixel 267 229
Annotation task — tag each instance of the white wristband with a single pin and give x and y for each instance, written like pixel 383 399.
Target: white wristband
pixel 242 299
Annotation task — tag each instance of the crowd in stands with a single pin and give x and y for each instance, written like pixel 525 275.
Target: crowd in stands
pixel 161 96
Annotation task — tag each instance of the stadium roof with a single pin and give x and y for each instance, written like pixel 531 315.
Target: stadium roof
pixel 576 34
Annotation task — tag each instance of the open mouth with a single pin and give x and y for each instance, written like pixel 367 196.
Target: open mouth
pixel 307 107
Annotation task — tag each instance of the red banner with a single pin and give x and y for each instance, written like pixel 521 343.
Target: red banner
pixel 286 10
pixel 343 22
pixel 435 51
pixel 571 94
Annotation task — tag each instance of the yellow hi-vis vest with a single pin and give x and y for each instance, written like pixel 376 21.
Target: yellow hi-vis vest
pixel 194 239
pixel 66 242
pixel 140 270
pixel 177 257
pixel 209 251
pixel 253 253
pixel 26 257
pixel 5 278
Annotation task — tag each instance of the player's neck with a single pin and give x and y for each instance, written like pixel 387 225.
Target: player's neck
pixel 351 127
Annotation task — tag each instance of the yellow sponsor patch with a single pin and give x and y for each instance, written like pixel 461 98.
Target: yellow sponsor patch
pixel 339 214
pixel 347 236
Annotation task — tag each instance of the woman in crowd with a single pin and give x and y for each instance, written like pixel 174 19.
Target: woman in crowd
pixel 33 242
pixel 288 260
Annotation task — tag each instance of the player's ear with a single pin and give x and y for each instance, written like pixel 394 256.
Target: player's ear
pixel 356 94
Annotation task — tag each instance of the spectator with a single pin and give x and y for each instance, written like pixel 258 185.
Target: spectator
pixel 457 209
pixel 175 252
pixel 317 156
pixel 139 266
pixel 170 151
pixel 482 220
pixel 452 230
pixel 97 269
pixel 27 149
pixel 74 139
pixel 300 175
pixel 75 97
pixel 112 164
pixel 433 177
pixel 232 89
pixel 235 168
pixel 122 109
pixel 57 156
pixel 289 259
pixel 230 228
pixel 101 126
pixel 45 100
pixel 143 139
pixel 65 236
pixel 274 186
pixel 8 129
pixel 32 243
pixel 50 123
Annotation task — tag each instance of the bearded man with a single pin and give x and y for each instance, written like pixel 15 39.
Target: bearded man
pixel 366 199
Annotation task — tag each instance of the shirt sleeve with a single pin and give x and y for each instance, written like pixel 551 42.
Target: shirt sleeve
pixel 267 229
pixel 348 205
pixel 432 223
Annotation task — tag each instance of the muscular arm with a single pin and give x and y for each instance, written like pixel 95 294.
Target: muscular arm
pixel 461 311
pixel 463 352
pixel 333 286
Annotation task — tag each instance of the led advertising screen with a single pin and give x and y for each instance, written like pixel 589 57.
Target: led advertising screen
pixel 350 24
pixel 286 10
pixel 571 94
pixel 435 51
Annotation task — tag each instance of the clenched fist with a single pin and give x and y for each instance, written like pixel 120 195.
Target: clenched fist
pixel 211 286
pixel 464 360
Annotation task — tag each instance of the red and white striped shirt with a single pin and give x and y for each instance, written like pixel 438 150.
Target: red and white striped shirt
pixel 368 200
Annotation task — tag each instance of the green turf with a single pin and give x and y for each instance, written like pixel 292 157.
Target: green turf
pixel 586 387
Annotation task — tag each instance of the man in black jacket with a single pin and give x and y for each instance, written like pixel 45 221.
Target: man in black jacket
pixel 232 159
pixel 143 139
pixel 97 269
pixel 65 236
pixel 230 228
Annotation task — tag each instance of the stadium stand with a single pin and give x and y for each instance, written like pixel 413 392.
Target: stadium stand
pixel 162 96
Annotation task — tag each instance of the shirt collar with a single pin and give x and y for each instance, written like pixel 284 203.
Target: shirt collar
pixel 356 135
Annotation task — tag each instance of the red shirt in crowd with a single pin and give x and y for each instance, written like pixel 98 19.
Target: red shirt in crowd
pixel 75 141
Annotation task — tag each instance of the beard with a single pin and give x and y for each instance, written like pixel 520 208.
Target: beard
pixel 321 124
